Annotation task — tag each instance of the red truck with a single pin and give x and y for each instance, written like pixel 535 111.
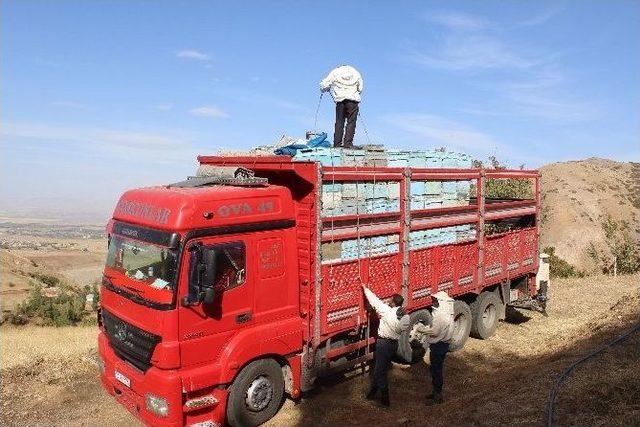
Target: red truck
pixel 216 302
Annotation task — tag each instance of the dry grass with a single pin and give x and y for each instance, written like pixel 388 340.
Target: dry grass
pixel 21 346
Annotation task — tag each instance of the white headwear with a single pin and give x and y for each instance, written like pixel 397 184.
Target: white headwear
pixel 442 296
pixel 445 305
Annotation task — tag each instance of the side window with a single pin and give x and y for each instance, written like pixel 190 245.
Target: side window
pixel 230 266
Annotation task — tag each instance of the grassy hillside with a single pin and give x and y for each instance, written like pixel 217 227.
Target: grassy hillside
pixel 578 196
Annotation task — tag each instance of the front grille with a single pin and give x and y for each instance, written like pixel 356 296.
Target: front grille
pixel 129 342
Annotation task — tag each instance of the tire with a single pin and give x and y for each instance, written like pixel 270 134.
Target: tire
pixel 256 394
pixel 410 352
pixel 462 325
pixel 484 314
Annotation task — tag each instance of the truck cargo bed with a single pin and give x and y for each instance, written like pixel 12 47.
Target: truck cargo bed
pixel 414 251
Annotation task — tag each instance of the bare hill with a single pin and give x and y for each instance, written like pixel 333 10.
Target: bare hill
pixel 578 195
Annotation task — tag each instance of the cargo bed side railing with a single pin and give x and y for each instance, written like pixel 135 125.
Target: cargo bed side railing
pixel 480 210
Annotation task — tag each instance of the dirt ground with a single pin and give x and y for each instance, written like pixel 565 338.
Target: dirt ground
pixel 48 377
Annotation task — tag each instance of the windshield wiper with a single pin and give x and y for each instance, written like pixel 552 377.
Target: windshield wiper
pixel 108 284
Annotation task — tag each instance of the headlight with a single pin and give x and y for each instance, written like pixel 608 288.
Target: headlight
pixel 157 405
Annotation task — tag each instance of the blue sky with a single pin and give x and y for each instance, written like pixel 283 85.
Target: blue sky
pixel 101 96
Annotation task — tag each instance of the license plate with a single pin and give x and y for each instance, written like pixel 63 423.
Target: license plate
pixel 123 379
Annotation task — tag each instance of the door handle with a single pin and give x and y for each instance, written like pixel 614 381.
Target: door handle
pixel 244 317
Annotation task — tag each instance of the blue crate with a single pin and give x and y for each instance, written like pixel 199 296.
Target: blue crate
pixel 398 163
pixel 417 159
pixel 433 187
pixel 450 187
pixel 418 188
pixel 332 188
pixel 464 187
pixel 433 162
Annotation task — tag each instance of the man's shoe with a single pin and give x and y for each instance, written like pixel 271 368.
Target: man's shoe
pixel 372 393
pixel 435 399
pixel 384 398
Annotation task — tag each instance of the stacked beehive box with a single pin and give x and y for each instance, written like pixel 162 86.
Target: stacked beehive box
pixel 340 199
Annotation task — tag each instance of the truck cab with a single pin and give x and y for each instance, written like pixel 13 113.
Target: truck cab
pixel 200 281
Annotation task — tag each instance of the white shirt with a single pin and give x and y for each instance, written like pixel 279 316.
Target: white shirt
pixel 442 325
pixel 345 82
pixel 390 326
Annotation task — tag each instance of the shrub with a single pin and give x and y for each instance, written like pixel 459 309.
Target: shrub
pixel 559 267
pixel 47 279
pixel 67 308
pixel 621 249
pixel 506 188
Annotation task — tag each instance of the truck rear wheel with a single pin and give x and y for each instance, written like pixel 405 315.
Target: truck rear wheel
pixel 256 394
pixel 412 351
pixel 485 313
pixel 462 325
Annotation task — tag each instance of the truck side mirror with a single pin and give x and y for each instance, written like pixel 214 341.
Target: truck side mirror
pixel 202 274
pixel 207 290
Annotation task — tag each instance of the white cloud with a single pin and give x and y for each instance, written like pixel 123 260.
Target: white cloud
pixel 458 20
pixel 209 111
pixel 106 138
pixel 437 130
pixel 193 54
pixel 470 52
pixel 535 81
pixel 542 96
pixel 542 17
pixel 470 42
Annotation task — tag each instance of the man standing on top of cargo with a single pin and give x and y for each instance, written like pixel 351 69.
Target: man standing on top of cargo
pixel 345 83
pixel 438 335
pixel 393 322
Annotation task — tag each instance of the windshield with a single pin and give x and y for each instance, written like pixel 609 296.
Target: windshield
pixel 143 262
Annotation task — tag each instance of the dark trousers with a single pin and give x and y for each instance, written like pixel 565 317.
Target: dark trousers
pixel 346 110
pixel 385 350
pixel 437 353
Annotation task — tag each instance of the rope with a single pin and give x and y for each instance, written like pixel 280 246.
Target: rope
pixel 315 121
pixel 364 127
pixel 333 197
pixel 554 391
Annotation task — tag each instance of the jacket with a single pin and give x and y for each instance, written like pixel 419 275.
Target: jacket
pixel 442 325
pixel 344 82
pixel 390 326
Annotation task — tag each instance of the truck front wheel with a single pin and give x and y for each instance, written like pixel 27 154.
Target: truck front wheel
pixel 462 325
pixel 256 394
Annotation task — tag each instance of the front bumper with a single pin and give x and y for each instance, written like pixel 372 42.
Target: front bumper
pixel 163 383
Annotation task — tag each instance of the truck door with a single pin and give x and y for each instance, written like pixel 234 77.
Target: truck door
pixel 204 328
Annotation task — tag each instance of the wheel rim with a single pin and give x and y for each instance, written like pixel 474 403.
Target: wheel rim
pixel 259 394
pixel 489 316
